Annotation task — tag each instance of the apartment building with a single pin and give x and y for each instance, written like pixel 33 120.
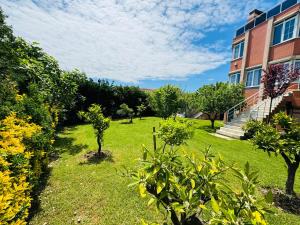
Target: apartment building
pixel 268 38
pixel 271 37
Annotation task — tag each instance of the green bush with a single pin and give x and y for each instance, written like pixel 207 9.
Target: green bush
pixel 190 190
pixel 175 132
pixel 281 137
pixel 251 128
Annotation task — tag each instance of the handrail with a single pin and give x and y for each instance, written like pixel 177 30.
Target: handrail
pixel 240 106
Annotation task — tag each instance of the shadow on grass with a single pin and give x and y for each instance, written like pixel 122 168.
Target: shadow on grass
pixel 92 157
pixel 36 192
pixel 66 144
pixel 288 203
pixel 208 128
pixel 126 122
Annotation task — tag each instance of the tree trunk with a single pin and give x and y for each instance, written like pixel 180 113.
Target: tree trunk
pixel 270 110
pixel 212 123
pixel 174 218
pixel 192 220
pixel 289 186
pixel 130 119
pixel 99 145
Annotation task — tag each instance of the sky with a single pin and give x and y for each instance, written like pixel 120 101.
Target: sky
pixel 148 43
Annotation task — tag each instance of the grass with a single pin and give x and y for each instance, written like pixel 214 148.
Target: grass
pixel 95 193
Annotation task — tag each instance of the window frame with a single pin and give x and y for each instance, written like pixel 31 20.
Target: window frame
pixel 240 50
pixel 283 23
pixel 237 78
pixel 253 76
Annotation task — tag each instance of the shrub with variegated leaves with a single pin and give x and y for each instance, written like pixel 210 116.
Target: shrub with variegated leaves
pixel 192 190
pixel 15 169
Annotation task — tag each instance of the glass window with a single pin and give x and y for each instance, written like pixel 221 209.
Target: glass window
pixel 289 29
pixel 253 78
pixel 277 34
pixel 297 64
pixel 284 31
pixel 234 78
pixel 238 50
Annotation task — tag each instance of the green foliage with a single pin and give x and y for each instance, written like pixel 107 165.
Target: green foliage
pixel 282 137
pixel 95 116
pixel 8 96
pixel 166 101
pixel 252 127
pixel 191 105
pixel 175 132
pixel 126 111
pixel 110 96
pixel 283 120
pixel 216 99
pixel 140 110
pixel 190 191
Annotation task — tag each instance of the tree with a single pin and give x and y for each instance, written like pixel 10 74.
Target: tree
pixel 191 106
pixel 98 121
pixel 276 79
pixel 175 132
pixel 281 137
pixel 216 98
pixel 190 191
pixel 166 101
pixel 126 111
pixel 140 110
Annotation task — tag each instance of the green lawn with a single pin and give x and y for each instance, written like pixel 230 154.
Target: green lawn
pixel 95 193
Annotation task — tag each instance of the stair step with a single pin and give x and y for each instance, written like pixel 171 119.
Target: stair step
pixel 229 134
pixel 239 132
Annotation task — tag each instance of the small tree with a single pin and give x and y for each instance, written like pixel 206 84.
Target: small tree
pixel 175 132
pixel 140 110
pixel 191 191
pixel 276 79
pixel 98 121
pixel 166 101
pixel 216 98
pixel 126 111
pixel 282 137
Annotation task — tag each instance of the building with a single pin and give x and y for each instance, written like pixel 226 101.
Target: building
pixel 270 37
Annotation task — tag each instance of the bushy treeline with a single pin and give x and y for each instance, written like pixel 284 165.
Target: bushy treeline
pixel 36 96
pixel 110 97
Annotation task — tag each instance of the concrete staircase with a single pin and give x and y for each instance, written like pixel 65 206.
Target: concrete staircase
pixel 238 116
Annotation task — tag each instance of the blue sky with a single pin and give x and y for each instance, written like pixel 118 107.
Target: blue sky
pixel 141 42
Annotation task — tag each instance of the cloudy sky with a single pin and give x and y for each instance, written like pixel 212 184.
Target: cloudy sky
pixel 141 42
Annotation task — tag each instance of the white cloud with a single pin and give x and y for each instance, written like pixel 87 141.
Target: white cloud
pixel 127 40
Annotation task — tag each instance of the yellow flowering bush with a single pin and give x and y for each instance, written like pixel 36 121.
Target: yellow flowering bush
pixel 15 169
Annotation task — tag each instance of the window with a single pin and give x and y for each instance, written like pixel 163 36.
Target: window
pixel 238 50
pixel 253 78
pixel 297 67
pixel 285 31
pixel 234 78
pixel 297 64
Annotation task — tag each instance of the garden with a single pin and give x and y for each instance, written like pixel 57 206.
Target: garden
pixel 78 151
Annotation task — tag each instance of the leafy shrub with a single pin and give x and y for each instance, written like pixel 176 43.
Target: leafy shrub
pixel 175 132
pixel 140 110
pixel 284 141
pixel 283 120
pixel 191 191
pixel 126 111
pixel 15 169
pixel 252 127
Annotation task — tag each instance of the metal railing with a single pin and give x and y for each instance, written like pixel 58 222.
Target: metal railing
pixel 261 111
pixel 243 106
